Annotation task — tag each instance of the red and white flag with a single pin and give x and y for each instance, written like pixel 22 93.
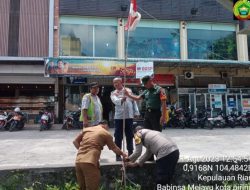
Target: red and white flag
pixel 134 16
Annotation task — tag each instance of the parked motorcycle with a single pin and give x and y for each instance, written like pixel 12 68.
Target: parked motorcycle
pixel 17 120
pixel 230 120
pixel 3 119
pixel 72 121
pixel 235 120
pixel 191 121
pixel 218 121
pixel 248 117
pixel 201 120
pixel 45 121
pixel 176 118
pixel 204 119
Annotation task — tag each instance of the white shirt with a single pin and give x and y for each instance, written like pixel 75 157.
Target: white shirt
pixel 131 108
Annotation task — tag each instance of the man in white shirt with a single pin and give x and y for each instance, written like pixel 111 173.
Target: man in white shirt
pixel 124 107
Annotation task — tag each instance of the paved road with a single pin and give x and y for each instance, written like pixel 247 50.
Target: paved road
pixel 31 148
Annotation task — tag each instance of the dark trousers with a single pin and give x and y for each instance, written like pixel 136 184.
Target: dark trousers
pixel 128 132
pixel 165 168
pixel 152 120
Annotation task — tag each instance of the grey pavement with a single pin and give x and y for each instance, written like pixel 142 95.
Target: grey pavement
pixel 31 148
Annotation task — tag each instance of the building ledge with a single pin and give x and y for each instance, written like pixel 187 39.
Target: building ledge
pixel 10 58
pixel 173 62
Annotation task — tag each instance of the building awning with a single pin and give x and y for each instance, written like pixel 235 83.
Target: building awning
pixel 26 79
pixel 21 69
pixel 179 62
pixel 89 66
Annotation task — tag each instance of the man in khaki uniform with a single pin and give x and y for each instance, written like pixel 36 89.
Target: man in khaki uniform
pixel 90 143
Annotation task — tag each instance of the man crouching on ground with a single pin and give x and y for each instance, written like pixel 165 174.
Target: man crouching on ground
pixel 156 143
pixel 90 143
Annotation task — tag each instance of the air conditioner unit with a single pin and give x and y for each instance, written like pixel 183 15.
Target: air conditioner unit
pixel 188 75
pixel 223 74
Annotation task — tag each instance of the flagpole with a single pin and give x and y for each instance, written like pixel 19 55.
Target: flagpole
pixel 124 79
pixel 124 123
pixel 128 27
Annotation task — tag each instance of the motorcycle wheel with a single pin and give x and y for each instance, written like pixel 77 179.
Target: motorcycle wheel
pixel 2 125
pixel 208 125
pixel 182 125
pixel 7 127
pixel 42 127
pixel 70 126
pixel 64 126
pixel 244 124
pixel 12 126
pixel 231 124
pixel 21 126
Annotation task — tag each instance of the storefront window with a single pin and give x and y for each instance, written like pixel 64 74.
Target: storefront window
pixel 211 41
pixel 184 101
pixel 151 41
pixel 87 37
pixel 105 41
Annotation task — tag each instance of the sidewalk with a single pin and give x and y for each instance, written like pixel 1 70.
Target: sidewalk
pixel 32 148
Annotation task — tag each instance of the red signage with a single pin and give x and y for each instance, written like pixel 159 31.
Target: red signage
pixel 160 79
pixel 164 79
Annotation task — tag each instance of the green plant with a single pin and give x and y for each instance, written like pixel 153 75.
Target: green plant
pixel 71 186
pixel 119 186
pixel 34 186
pixel 12 182
pixel 66 186
pixel 52 187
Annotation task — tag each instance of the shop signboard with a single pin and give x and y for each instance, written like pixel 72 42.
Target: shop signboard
pixel 65 67
pixel 76 80
pixel 245 105
pixel 231 102
pixel 164 79
pixel 160 79
pixel 216 100
pixel 217 88
pixel 144 68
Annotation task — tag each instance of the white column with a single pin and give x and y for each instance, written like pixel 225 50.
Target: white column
pixel 120 39
pixel 242 47
pixel 93 41
pixel 183 40
pixel 51 27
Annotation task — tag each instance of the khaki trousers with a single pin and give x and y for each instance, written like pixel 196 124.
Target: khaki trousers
pixel 88 176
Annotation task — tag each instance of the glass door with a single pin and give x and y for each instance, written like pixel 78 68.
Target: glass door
pixel 200 102
pixel 231 103
pixel 184 101
pixel 216 104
